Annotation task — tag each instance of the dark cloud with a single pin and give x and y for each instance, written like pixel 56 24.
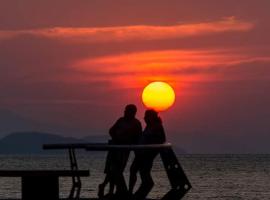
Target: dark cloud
pixel 36 14
pixel 223 109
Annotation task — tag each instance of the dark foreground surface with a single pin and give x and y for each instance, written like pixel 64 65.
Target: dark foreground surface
pixel 213 177
pixel 69 199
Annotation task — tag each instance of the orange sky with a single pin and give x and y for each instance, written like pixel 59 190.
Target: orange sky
pixel 76 64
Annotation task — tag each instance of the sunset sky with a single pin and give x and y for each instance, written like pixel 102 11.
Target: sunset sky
pixel 76 64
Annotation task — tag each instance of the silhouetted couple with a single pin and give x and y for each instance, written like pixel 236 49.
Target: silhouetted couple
pixel 128 130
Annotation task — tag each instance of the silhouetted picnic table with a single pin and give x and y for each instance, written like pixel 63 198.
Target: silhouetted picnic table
pixel 41 184
pixel 179 182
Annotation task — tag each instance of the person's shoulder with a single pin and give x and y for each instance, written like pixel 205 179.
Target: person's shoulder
pixel 137 121
pixel 121 119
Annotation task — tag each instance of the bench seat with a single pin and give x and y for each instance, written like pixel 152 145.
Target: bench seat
pixel 42 184
pixel 35 173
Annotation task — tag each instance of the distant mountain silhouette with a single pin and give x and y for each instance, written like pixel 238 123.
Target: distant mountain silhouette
pixel 27 135
pixel 31 142
pixel 11 122
pixel 96 138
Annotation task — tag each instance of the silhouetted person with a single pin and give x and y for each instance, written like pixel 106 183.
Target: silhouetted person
pixel 126 130
pixel 109 175
pixel 143 161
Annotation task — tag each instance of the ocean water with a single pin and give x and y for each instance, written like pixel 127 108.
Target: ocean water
pixel 221 177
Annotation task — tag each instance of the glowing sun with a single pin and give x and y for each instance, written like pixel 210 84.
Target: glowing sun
pixel 158 96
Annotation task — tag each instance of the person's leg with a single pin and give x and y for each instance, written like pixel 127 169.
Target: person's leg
pixel 108 179
pixel 108 171
pixel 101 187
pixel 146 185
pixel 121 187
pixel 111 190
pixel 133 174
pixel 145 173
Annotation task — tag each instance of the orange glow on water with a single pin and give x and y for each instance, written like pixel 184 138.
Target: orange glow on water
pixel 158 96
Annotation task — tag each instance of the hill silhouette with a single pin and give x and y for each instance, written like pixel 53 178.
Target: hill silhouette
pixel 31 142
pixel 13 122
pixel 27 136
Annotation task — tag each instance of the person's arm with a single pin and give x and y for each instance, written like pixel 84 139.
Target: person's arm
pixel 139 133
pixel 158 135
pixel 114 128
pixel 162 135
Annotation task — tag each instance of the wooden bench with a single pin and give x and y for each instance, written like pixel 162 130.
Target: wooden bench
pixel 41 184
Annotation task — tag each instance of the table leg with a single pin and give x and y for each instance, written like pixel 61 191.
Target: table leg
pixel 40 188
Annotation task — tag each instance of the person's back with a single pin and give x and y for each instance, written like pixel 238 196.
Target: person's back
pixel 153 134
pixel 126 130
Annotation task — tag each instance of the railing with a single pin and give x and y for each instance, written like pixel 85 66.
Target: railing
pixel 179 182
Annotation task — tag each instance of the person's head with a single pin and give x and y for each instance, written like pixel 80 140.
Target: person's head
pixel 151 117
pixel 130 111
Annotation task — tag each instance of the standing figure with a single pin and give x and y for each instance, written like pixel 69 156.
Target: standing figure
pixel 109 175
pixel 143 161
pixel 126 130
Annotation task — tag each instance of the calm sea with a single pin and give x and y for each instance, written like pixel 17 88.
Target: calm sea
pixel 223 177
